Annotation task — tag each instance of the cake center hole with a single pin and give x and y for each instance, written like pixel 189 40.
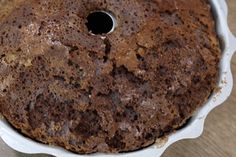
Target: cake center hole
pixel 100 22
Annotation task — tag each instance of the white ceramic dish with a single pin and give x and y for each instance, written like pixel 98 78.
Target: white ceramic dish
pixel 193 130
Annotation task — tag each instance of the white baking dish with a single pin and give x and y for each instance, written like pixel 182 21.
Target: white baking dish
pixel 192 130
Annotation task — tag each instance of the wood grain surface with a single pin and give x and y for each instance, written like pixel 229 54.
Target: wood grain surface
pixel 219 137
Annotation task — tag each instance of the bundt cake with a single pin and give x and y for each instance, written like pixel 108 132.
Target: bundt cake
pixel 67 84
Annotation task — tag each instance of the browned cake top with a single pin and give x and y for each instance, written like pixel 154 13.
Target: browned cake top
pixel 114 92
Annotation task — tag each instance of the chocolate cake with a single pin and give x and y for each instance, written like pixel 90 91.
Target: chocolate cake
pixel 62 84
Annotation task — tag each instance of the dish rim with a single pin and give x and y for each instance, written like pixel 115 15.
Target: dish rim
pixel 194 128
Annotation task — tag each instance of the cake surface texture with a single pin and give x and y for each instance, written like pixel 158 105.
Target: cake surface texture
pixel 64 86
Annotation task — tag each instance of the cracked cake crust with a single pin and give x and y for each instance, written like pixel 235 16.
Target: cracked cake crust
pixel 116 92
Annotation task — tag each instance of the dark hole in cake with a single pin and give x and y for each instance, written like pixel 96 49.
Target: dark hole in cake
pixel 116 141
pixel 89 123
pixel 100 22
pixel 187 122
pixel 211 94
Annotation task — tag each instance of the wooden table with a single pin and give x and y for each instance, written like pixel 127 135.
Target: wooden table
pixel 219 138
